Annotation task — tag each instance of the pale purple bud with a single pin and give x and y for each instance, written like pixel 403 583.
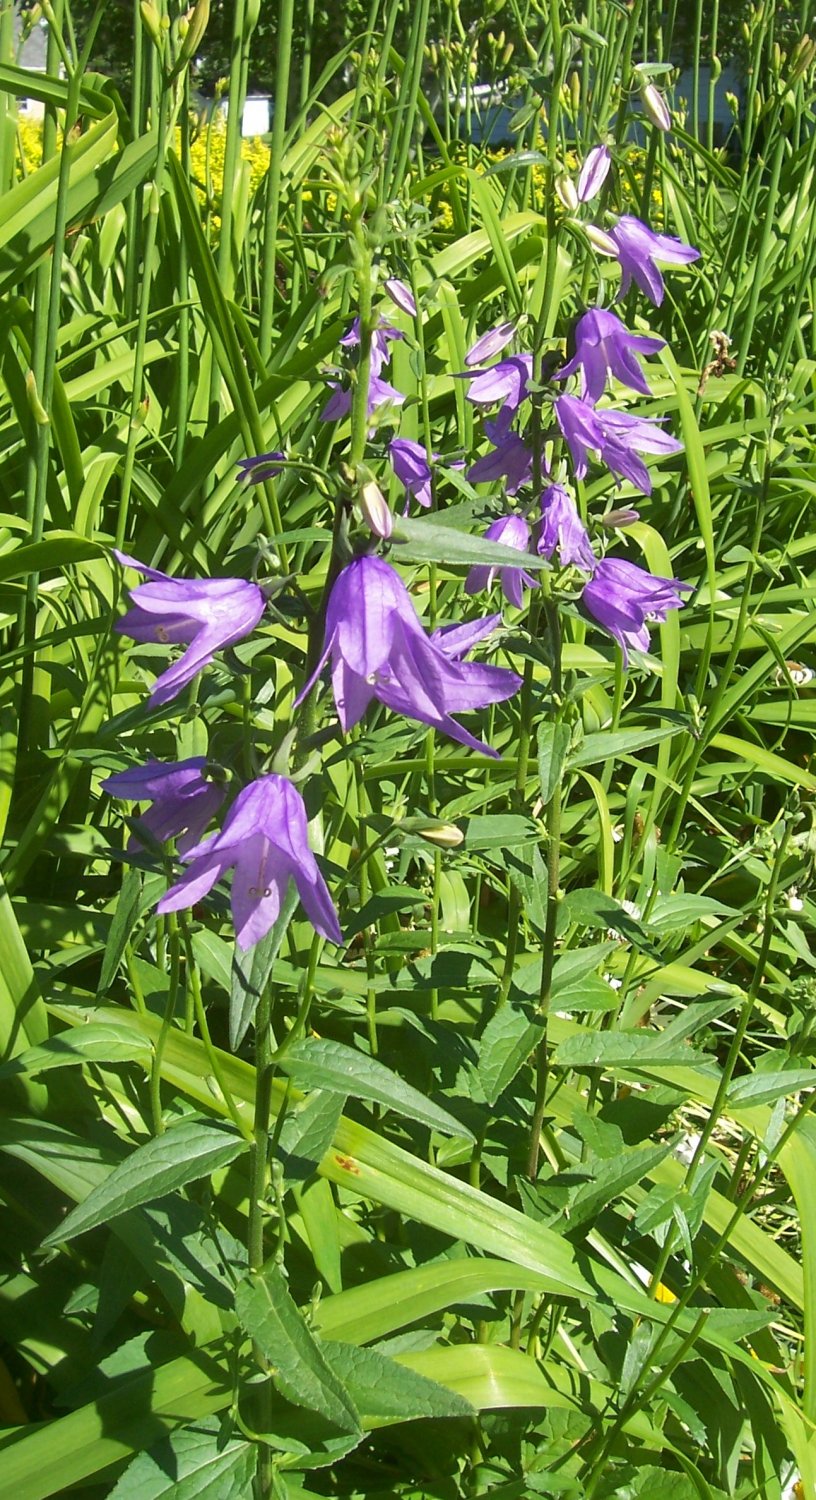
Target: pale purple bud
pixel 489 344
pixel 593 173
pixel 565 188
pixel 375 512
pixel 401 295
pixel 655 106
pixel 601 240
pixel 614 520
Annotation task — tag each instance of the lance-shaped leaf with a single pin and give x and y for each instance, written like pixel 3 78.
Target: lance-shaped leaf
pixel 322 1064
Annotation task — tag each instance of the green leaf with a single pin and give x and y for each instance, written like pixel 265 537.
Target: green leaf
pixel 299 1369
pixel 251 971
pixel 322 1064
pixel 384 1391
pixel 428 541
pixel 595 748
pixel 185 1153
pixel 553 745
pixel 103 1043
pixel 624 1049
pixel 308 1132
pixel 507 1041
pixel 195 1463
pixel 766 1088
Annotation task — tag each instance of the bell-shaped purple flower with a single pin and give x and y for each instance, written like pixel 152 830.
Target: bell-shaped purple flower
pixel 624 598
pixel 581 430
pixel 604 347
pixel 457 640
pixel 594 173
pixel 380 339
pixel 409 461
pixel 563 531
pixel 505 382
pixel 510 460
pixel 512 531
pixel 182 801
pixel 265 838
pixel 204 614
pixel 380 650
pixel 489 344
pixel 617 436
pixel 639 247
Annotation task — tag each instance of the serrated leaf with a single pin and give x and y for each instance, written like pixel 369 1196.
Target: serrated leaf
pixel 195 1463
pixel 428 541
pixel 100 1043
pixel 384 1391
pixel 299 1368
pixel 606 746
pixel 185 1153
pixel 308 1131
pixel 624 1049
pixel 553 745
pixel 323 1064
pixel 507 1041
pixel 251 971
pixel 681 909
pixel 766 1088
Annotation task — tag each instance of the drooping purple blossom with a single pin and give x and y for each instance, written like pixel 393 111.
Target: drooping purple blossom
pixel 401 295
pixel 409 461
pixel 204 614
pixel 379 650
pixel 639 247
pixel 594 173
pixel 457 640
pixel 505 382
pixel 562 530
pixel 265 838
pixel 604 347
pixel 510 460
pixel 512 531
pixel 379 391
pixel 261 466
pixel 382 336
pixel 624 598
pixel 182 800
pixel 617 436
pixel 489 344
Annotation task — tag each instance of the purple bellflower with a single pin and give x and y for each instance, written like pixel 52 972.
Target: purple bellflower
pixel 594 173
pixel 265 837
pixel 457 640
pixel 409 461
pixel 183 801
pixel 260 467
pixel 204 614
pixel 379 390
pixel 380 650
pixel 618 436
pixel 604 347
pixel 562 530
pixel 512 531
pixel 510 460
pixel 489 344
pixel 505 382
pixel 639 247
pixel 623 598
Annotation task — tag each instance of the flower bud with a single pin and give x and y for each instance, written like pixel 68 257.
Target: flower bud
pixel 600 239
pixel 655 106
pixel 37 409
pixel 151 21
pixel 375 512
pixel 594 173
pixel 565 189
pixel 446 835
pixel 733 104
pixel 624 516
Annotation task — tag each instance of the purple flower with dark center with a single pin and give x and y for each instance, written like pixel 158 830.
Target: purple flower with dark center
pixel 639 247
pixel 562 530
pixel 380 650
pixel 183 801
pixel 262 466
pixel 624 598
pixel 594 173
pixel 510 460
pixel 204 614
pixel 265 837
pixel 604 347
pixel 401 295
pixel 512 531
pixel 409 461
pixel 489 344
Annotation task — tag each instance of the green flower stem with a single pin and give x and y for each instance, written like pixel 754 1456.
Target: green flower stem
pixel 283 48
pixel 258 1190
pixel 194 991
pixel 167 1021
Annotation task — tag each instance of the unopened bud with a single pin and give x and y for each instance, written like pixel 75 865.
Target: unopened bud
pixel 38 411
pixel 151 20
pixel 566 191
pixel 802 58
pixel 600 239
pixel 615 519
pixel 197 17
pixel 733 104
pixel 716 68
pixel 575 91
pixel 776 59
pixel 446 835
pixel 508 53
pixel 655 106
pixel 376 514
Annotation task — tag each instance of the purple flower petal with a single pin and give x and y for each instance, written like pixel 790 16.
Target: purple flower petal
pixel 562 530
pixel 490 343
pixel 604 347
pixel 623 598
pixel 401 295
pixel 594 173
